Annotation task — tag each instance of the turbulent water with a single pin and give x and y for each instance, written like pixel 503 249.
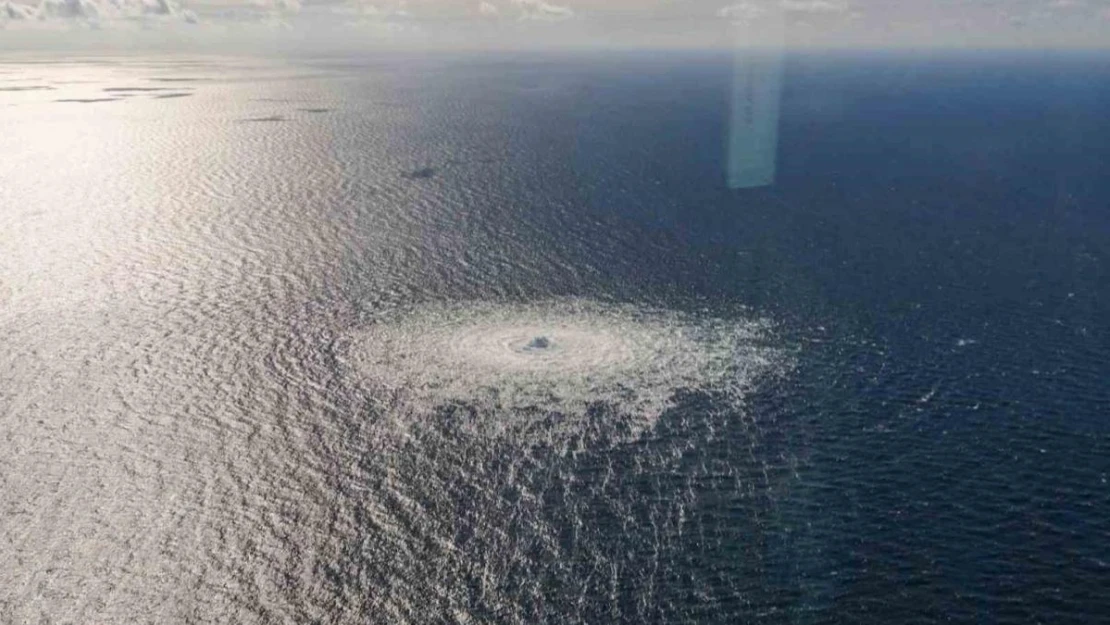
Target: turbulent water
pixel 478 340
pixel 511 366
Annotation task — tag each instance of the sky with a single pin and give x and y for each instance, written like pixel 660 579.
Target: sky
pixel 340 24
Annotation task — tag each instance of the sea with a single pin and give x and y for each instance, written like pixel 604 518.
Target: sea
pixel 488 338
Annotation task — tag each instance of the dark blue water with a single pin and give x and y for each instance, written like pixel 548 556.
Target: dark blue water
pixel 182 286
pixel 954 216
pixel 939 235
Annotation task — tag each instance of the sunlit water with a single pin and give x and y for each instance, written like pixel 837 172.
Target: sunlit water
pixel 411 340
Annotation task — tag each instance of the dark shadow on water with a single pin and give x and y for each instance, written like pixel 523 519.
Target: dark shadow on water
pixel 135 89
pixel 167 96
pixel 88 100
pixel 268 118
pixel 28 88
pixel 314 110
pixel 423 173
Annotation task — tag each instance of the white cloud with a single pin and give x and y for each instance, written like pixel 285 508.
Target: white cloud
pixel 388 20
pixel 357 9
pixel 12 11
pixel 68 9
pixel 1066 5
pixel 814 6
pixel 751 10
pixel 641 23
pixel 380 12
pixel 93 13
pixel 742 12
pixel 279 7
pixel 542 11
pixel 1063 14
pixel 159 7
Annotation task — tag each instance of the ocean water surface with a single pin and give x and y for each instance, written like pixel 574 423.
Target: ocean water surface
pixel 470 339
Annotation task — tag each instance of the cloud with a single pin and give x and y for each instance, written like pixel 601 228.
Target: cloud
pixel 68 9
pixel 814 6
pixel 93 13
pixel 742 12
pixel 1062 14
pixel 538 10
pixel 750 10
pixel 513 23
pixel 396 11
pixel 280 7
pixel 388 20
pixel 1066 5
pixel 357 9
pixel 16 12
pixel 487 9
pixel 159 7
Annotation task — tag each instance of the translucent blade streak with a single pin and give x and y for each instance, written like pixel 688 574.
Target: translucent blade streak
pixel 756 91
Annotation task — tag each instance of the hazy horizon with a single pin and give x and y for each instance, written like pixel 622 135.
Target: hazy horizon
pixel 351 25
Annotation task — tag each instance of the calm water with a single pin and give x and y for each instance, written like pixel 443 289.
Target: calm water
pixel 191 251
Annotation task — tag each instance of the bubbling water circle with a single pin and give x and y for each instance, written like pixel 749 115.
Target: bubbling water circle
pixel 514 365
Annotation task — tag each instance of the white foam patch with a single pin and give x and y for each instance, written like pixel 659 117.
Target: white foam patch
pixel 537 369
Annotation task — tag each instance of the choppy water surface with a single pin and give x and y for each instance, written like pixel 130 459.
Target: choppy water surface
pixel 427 340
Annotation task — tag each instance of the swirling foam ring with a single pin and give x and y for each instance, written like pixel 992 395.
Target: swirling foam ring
pixel 631 359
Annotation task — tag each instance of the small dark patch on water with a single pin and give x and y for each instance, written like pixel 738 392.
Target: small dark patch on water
pixel 134 89
pixel 268 118
pixel 314 110
pixel 168 79
pixel 166 96
pixel 88 100
pixel 28 88
pixel 420 174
